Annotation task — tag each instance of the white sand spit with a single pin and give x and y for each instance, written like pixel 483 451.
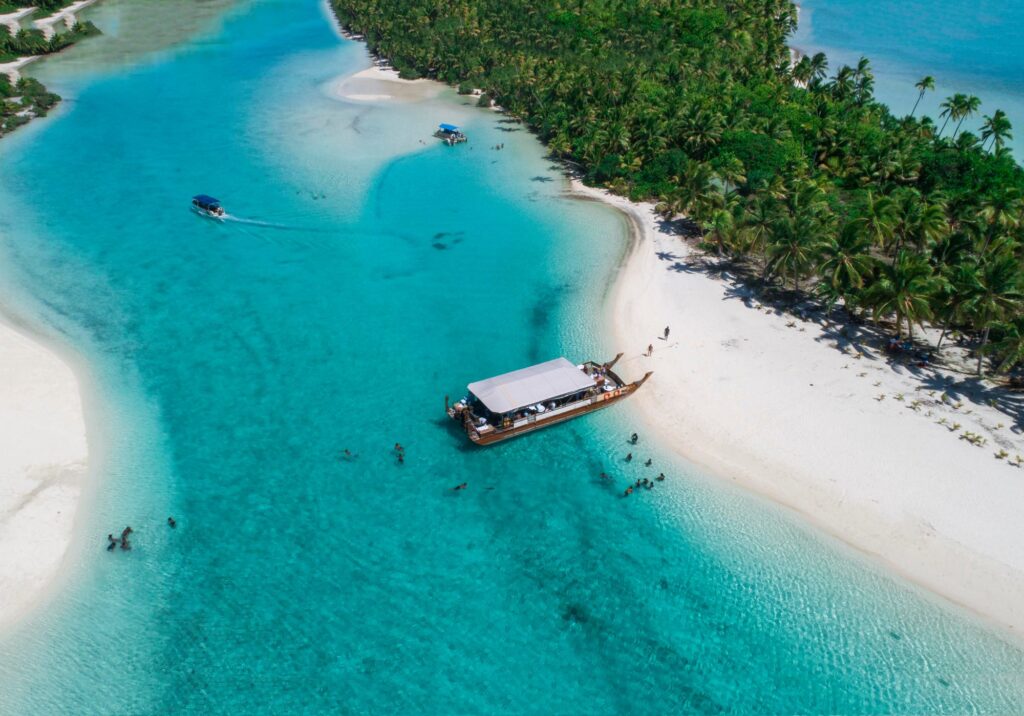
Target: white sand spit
pixel 43 456
pixel 381 84
pixel 862 448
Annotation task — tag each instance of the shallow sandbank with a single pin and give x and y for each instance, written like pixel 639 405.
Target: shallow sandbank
pixel 380 84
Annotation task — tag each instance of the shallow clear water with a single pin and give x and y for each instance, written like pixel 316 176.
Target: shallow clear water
pixel 230 363
pixel 969 46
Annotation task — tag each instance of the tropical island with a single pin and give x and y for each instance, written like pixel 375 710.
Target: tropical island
pixel 848 357
pixel 791 169
pixel 256 398
pixel 25 98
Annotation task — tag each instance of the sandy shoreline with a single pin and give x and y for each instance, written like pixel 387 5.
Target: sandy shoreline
pixel 381 84
pixel 43 467
pixel 769 401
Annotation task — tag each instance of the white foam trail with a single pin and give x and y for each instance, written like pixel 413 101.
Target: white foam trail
pixel 264 224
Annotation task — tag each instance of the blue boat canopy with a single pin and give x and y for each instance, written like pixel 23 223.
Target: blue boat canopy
pixel 449 128
pixel 206 200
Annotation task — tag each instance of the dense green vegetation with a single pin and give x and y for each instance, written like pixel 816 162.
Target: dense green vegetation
pixel 33 42
pixel 28 98
pixel 43 7
pixel 794 169
pixel 21 102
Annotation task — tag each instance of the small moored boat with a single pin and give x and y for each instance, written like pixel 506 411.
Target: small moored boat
pixel 531 398
pixel 207 206
pixel 450 134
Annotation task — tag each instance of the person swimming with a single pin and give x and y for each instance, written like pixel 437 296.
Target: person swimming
pixel 660 477
pixel 460 487
pixel 171 523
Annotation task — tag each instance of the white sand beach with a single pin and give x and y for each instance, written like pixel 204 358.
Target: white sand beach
pixel 13 69
pixel 13 19
pixel 43 465
pixel 860 447
pixel 381 84
pixel 65 15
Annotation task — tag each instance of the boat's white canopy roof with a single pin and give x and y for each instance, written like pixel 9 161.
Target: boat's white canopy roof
pixel 544 381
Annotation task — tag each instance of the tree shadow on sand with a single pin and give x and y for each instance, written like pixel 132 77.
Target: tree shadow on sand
pixel 843 330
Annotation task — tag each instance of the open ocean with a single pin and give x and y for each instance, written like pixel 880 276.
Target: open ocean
pixel 969 46
pixel 369 275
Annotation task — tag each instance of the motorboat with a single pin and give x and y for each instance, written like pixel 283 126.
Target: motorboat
pixel 207 206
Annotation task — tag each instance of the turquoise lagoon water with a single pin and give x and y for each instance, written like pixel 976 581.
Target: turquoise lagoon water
pixel 969 46
pixel 230 363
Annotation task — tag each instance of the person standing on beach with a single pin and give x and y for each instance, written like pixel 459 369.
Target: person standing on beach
pixel 666 333
pixel 650 349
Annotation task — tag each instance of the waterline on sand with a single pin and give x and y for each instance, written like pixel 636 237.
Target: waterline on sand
pixel 43 465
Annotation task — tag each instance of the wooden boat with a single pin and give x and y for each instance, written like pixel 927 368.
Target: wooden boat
pixel 528 399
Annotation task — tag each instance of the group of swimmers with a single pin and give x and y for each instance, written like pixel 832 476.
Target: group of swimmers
pixel 643 482
pixel 347 455
pixel 126 545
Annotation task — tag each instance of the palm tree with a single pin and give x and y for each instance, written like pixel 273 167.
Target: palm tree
pixel 792 246
pixel 802 71
pixel 731 172
pixel 722 228
pixel 758 219
pixel 846 263
pixel 918 222
pixel 951 109
pixel 1010 347
pixel 954 288
pixel 997 128
pixel 996 295
pixel 877 219
pixel 843 83
pixel 923 85
pixel 818 66
pixel 968 108
pixel 1000 213
pixel 903 289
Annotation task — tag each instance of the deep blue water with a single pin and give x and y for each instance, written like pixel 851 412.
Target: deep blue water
pixel 230 363
pixel 969 46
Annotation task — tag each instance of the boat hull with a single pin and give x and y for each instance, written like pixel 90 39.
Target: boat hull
pixel 537 422
pixel 497 436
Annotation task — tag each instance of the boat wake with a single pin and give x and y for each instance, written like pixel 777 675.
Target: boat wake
pixel 262 224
